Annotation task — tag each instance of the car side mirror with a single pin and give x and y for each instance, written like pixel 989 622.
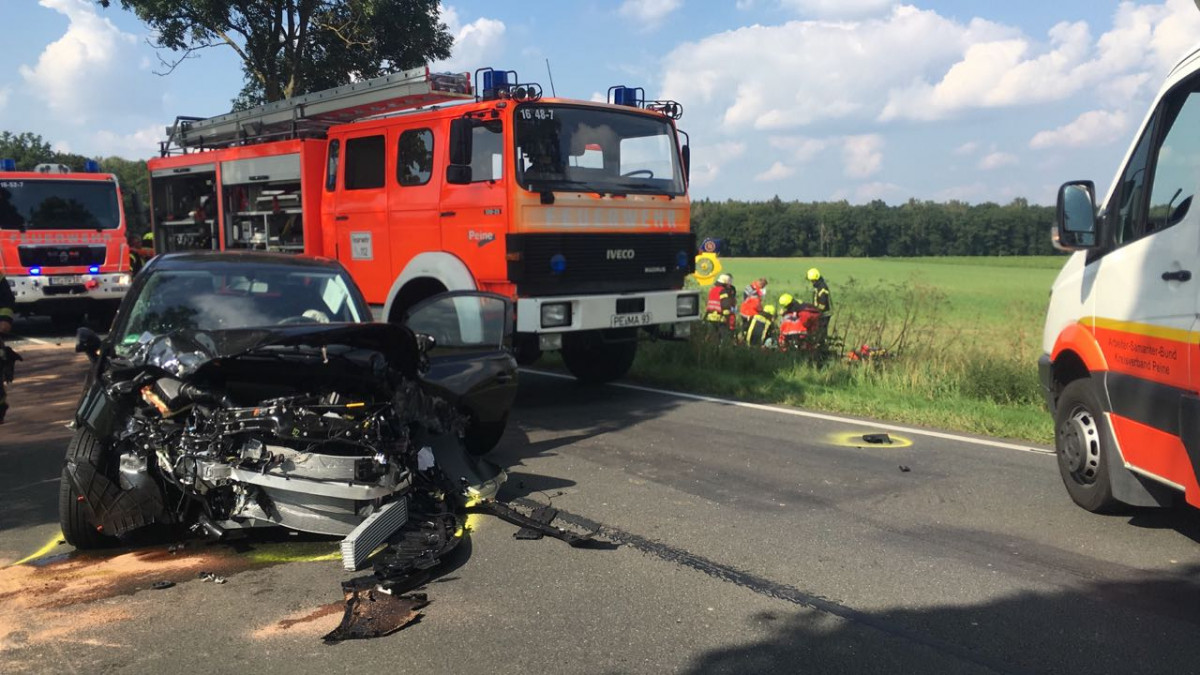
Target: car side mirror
pixel 461 137
pixel 87 342
pixel 1075 217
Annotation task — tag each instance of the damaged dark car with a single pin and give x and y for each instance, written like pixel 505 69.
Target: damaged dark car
pixel 238 391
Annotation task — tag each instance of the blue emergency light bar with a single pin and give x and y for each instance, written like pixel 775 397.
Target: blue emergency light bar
pixel 94 269
pixel 91 166
pixel 8 164
pixel 635 97
pixel 35 271
pixel 500 84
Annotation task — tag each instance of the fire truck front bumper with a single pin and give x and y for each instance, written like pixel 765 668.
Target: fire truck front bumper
pixel 45 289
pixel 669 313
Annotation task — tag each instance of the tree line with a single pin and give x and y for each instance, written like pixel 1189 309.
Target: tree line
pixel 776 228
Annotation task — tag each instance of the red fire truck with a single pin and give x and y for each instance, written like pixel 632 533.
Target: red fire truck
pixel 62 240
pixel 577 210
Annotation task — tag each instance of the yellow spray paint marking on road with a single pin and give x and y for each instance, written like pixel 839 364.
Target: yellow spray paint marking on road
pixel 297 552
pixel 854 439
pixel 45 550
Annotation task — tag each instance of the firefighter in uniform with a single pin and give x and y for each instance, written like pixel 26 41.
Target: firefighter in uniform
pixel 7 356
pixel 139 256
pixel 761 329
pixel 720 311
pixel 752 301
pixel 821 300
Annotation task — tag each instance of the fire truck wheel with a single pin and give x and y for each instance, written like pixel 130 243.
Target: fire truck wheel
pixel 1081 439
pixel 482 437
pixel 75 527
pixel 594 361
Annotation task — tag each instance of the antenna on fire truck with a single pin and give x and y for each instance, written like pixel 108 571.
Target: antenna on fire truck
pixel 551 75
pixel 310 115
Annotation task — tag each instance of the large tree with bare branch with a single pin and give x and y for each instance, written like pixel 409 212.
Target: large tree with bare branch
pixel 292 47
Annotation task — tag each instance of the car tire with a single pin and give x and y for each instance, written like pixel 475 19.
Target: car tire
pixel 593 361
pixel 482 437
pixel 76 529
pixel 1082 443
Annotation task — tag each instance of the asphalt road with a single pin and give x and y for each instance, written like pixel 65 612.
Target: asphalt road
pixel 747 540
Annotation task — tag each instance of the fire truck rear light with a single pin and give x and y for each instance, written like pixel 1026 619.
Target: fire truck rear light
pixel 35 271
pixel 94 269
pixel 8 164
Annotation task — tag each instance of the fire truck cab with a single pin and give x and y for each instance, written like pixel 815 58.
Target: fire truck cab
pixel 62 240
pixel 577 210
pixel 1121 369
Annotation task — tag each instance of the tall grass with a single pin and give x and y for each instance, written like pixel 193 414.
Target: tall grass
pixel 939 372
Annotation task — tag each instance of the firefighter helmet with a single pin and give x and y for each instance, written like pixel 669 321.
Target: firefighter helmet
pixel 814 274
pixel 148 238
pixel 725 279
pixel 785 300
pixel 769 310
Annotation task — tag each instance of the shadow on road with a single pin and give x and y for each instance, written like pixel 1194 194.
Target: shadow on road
pixel 1079 631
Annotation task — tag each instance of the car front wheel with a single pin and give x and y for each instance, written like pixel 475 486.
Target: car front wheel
pixel 1082 443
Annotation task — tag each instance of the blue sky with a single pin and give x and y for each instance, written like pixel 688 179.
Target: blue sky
pixel 804 99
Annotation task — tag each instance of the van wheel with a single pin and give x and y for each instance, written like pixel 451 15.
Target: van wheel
pixel 1082 444
pixel 595 361
pixel 76 529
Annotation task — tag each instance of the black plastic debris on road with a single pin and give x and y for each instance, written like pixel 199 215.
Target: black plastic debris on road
pixel 877 439
pixel 160 585
pixel 372 612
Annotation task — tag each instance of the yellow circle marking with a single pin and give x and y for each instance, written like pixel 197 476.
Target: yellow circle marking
pixel 854 439
pixel 708 266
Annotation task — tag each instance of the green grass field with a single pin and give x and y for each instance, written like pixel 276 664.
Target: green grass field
pixel 965 335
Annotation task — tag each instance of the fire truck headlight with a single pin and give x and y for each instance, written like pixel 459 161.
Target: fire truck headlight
pixel 687 305
pixel 556 314
pixel 122 280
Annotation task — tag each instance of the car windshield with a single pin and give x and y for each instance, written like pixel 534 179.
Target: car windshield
pixel 46 204
pixel 244 296
pixel 595 150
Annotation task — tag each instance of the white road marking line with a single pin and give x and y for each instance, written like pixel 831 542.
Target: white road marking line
pixel 812 415
pixel 38 341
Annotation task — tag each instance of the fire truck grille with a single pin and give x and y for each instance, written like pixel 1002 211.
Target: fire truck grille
pixel 61 256
pixel 564 263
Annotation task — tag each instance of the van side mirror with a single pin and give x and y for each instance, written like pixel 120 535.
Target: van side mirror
pixel 1075 217
pixel 461 132
pixel 87 342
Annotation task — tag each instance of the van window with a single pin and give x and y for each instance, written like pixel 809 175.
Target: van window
pixel 414 157
pixel 1177 166
pixel 487 152
pixel 1131 197
pixel 364 163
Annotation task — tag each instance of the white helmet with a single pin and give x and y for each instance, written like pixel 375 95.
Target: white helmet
pixel 724 279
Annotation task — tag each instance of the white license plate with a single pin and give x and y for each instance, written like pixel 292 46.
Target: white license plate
pixel 64 280
pixel 628 320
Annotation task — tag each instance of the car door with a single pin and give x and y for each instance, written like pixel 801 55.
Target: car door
pixel 1146 283
pixel 469 359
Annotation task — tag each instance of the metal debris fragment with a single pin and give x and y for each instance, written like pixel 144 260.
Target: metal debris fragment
pixel 373 612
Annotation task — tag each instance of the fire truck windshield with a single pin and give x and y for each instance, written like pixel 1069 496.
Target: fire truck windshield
pixel 562 147
pixel 47 204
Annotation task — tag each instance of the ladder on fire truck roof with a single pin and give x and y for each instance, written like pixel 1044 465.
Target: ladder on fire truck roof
pixel 312 114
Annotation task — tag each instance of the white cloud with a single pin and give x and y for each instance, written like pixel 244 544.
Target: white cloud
pixel 61 146
pixel 802 149
pixel 86 73
pixel 967 148
pixel 137 144
pixel 1143 43
pixel 811 71
pixel 1096 127
pixel 996 160
pixel 648 13
pixel 778 171
pixel 863 155
pixel 878 190
pixel 480 41
pixel 708 160
pixel 837 8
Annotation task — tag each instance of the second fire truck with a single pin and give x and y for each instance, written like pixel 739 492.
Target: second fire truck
pixel 577 210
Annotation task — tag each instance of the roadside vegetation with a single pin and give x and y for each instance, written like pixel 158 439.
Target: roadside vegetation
pixel 963 335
